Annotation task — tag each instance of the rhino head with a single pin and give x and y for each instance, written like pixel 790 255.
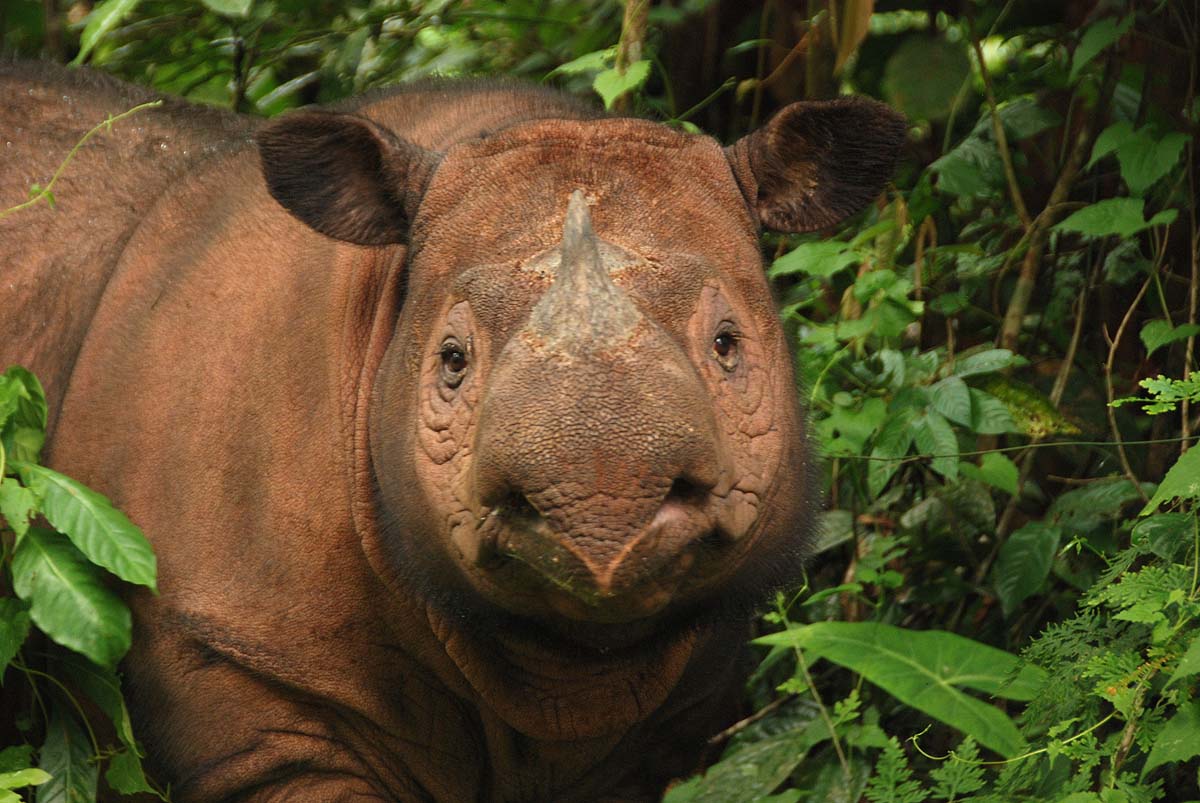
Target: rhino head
pixel 587 416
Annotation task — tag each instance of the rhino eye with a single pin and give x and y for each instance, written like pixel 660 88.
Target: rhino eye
pixel 725 349
pixel 454 362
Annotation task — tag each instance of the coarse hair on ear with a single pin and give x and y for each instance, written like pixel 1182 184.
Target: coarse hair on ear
pixel 344 175
pixel 815 163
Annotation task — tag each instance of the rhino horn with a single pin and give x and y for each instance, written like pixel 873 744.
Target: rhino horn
pixel 584 310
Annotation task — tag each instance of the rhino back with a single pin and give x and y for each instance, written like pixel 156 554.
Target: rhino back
pixel 58 260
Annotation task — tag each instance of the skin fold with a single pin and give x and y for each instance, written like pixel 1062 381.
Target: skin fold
pixel 459 417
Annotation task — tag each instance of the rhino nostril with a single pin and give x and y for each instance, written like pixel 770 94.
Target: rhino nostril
pixel 516 506
pixel 684 491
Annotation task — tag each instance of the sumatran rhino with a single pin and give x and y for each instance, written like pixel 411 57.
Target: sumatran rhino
pixel 460 419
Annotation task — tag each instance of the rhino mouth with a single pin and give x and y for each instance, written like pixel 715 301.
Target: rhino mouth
pixel 538 564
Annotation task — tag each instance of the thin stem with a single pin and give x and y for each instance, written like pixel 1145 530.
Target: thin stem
pixel 47 190
pixel 1010 175
pixel 1108 388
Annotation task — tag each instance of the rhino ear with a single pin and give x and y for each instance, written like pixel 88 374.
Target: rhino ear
pixel 344 175
pixel 816 163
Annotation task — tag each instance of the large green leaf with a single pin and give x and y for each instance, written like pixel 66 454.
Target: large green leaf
pixel 1122 217
pixel 67 755
pixel 14 627
pixel 1024 563
pixel 924 669
pixel 1179 740
pixel 101 532
pixel 891 444
pixel 1098 37
pixel 16 502
pixel 934 437
pixel 994 469
pixel 102 686
pixel 68 598
pixel 103 18
pixel 1146 158
pixel 951 398
pixel 822 259
pixel 983 362
pixel 751 770
pixel 1189 664
pixel 1181 483
pixel 1158 333
pixel 612 84
pixel 22 778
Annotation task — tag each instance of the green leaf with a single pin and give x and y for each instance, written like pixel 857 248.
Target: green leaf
pixel 16 502
pixel 17 757
pixel 990 416
pixel 67 755
pixel 1024 563
pixel 230 8
pixel 22 414
pixel 893 441
pixel 996 470
pixel 951 398
pixel 752 768
pixel 14 627
pixel 23 778
pixel 1110 139
pixel 1165 533
pixel 821 259
pixel 589 62
pixel 1189 664
pixel 934 437
pixel 1145 158
pixel 101 532
pixel 68 598
pixel 611 84
pixel 1156 334
pixel 1181 483
pixel 1122 217
pixel 103 17
pixel 1179 740
pixel 1098 37
pixel 983 362
pixel 102 686
pixel 125 774
pixel 924 669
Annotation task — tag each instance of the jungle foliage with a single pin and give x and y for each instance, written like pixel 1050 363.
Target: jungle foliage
pixel 999 357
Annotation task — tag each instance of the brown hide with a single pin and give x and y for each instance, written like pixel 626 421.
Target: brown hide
pixel 258 397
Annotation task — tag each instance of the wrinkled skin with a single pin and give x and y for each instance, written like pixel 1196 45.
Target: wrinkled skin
pixel 461 422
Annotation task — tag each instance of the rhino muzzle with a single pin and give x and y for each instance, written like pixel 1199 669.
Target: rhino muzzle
pixel 597 451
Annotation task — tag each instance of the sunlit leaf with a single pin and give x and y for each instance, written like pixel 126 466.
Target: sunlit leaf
pixel 1182 483
pixel 103 17
pixel 230 8
pixel 822 259
pixel 16 502
pixel 1122 217
pixel 103 533
pixel 68 598
pixel 612 84
pixel 924 669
